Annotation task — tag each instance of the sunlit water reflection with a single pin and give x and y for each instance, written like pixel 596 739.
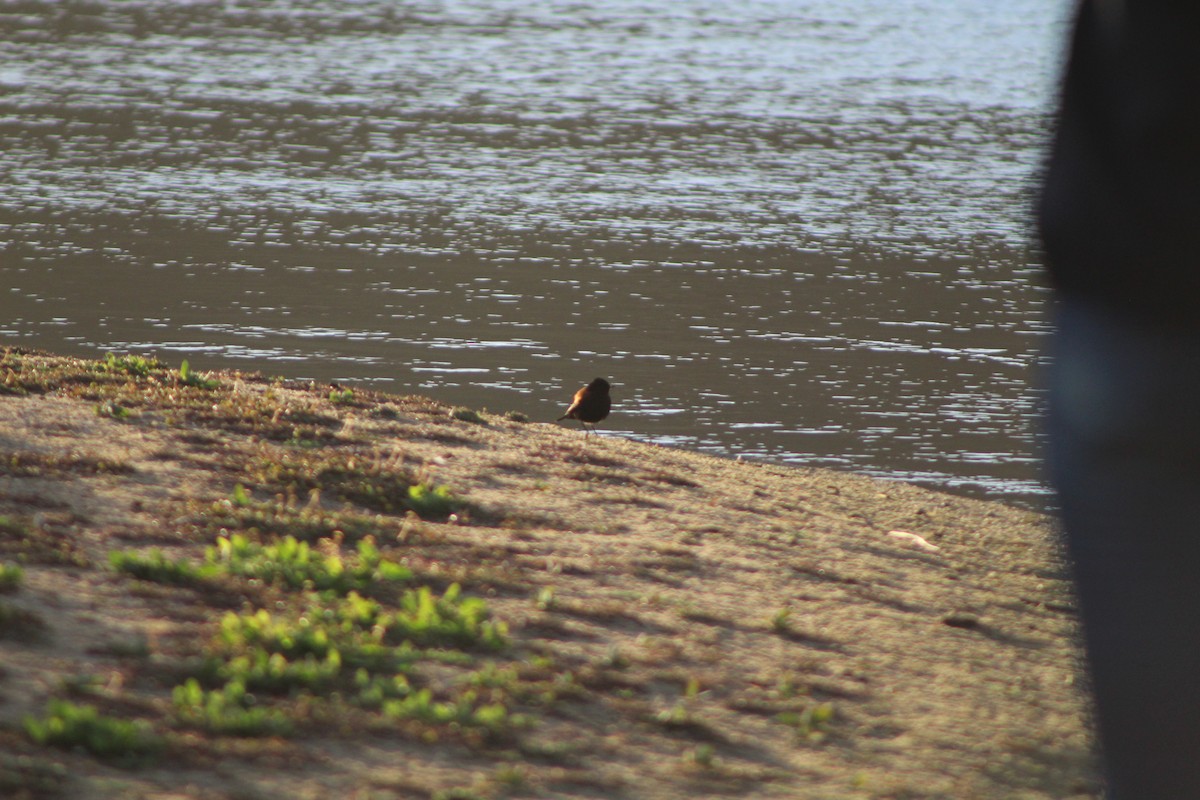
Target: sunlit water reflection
pixel 785 230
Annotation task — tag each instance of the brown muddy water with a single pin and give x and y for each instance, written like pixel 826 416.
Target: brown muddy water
pixel 785 230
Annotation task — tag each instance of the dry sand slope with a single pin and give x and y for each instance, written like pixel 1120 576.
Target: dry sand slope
pixel 658 623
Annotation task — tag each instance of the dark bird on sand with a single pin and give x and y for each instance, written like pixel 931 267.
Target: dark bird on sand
pixel 591 404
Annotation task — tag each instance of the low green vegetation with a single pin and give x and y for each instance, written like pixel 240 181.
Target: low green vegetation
pixel 11 576
pixel 156 567
pixel 119 386
pixel 189 378
pixel 228 710
pixel 264 673
pixel 12 527
pixel 373 484
pixel 113 410
pixel 703 756
pixel 137 366
pixel 287 562
pixel 431 502
pixel 293 563
pixel 333 631
pixel 27 372
pixel 362 631
pixel 341 396
pixel 811 723
pixel 345 632
pixel 68 725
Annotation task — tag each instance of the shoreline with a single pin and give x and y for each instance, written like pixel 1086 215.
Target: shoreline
pixel 656 623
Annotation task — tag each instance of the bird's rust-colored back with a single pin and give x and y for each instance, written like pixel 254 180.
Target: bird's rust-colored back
pixel 591 404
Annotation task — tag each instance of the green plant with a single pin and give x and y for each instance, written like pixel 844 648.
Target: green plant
pixel 69 725
pixel 377 485
pixel 447 620
pixel 703 755
pixel 809 724
pixel 112 409
pixel 138 366
pixel 11 576
pixel 262 671
pixel 240 497
pixel 13 528
pixel 677 716
pixel 349 649
pixel 491 676
pixel 293 563
pixel 228 710
pixel 462 710
pixel 340 396
pixel 364 632
pixel 189 378
pixel 511 778
pixel 287 562
pixel 158 568
pixel 781 621
pixel 372 691
pixel 430 501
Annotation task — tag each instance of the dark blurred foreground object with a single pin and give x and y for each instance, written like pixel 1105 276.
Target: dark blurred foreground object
pixel 1121 203
pixel 1120 220
pixel 590 404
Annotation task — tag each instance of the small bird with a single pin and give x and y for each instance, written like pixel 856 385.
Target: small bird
pixel 591 404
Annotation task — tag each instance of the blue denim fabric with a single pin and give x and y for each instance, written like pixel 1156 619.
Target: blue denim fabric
pixel 1124 455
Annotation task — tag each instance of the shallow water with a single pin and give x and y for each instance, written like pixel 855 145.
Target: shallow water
pixel 794 231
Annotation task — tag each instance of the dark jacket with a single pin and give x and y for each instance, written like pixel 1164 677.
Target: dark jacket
pixel 1120 205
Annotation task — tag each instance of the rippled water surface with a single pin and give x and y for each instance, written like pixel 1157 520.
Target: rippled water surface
pixel 786 230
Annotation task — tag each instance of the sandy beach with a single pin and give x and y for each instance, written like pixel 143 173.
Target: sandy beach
pixel 534 613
